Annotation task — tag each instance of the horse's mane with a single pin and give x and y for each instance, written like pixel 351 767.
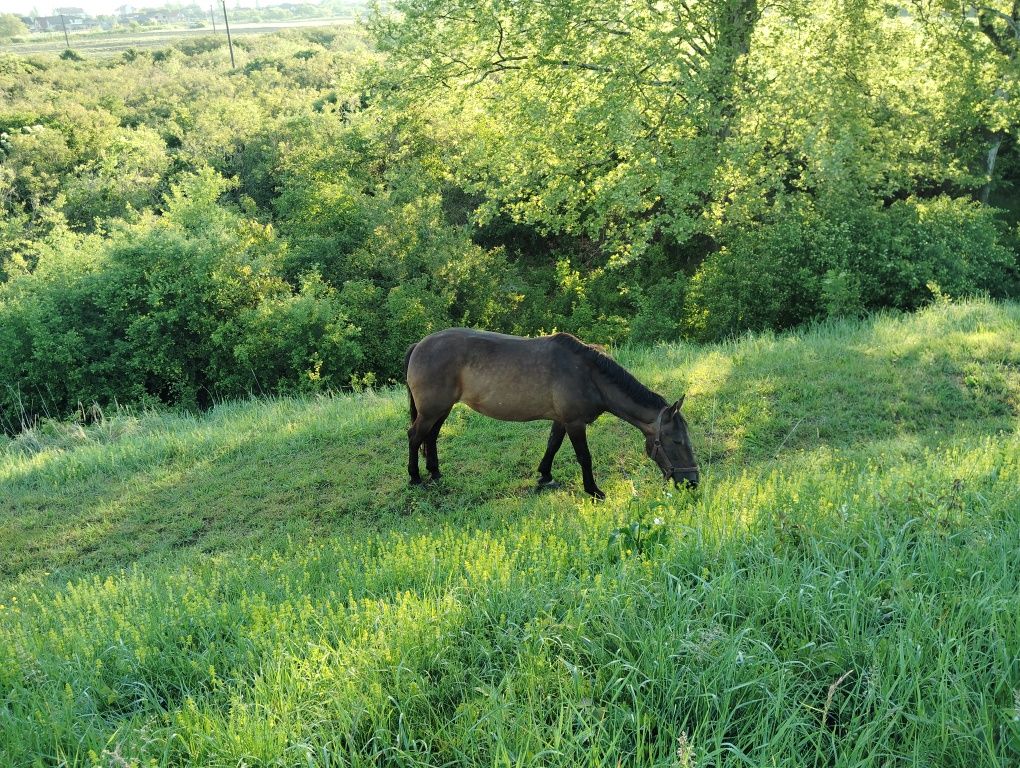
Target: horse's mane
pixel 613 371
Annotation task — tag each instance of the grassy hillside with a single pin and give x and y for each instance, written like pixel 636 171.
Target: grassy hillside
pixel 258 585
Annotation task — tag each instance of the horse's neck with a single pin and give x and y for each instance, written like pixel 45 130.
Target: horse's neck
pixel 622 405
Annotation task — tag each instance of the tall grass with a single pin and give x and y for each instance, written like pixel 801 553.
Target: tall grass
pixel 257 586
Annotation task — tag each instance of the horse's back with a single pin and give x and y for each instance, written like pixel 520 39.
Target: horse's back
pixel 506 377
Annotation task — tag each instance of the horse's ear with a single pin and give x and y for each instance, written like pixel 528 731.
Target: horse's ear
pixel 678 403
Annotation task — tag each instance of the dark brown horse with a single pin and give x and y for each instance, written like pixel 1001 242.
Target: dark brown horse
pixel 556 377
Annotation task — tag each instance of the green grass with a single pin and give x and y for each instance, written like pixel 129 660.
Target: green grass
pixel 258 585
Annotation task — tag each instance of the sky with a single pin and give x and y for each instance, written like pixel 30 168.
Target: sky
pixel 96 7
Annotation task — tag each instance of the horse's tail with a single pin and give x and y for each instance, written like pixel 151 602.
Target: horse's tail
pixel 410 397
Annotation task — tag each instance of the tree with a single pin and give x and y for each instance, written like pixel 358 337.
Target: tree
pixel 11 26
pixel 599 119
pixel 985 39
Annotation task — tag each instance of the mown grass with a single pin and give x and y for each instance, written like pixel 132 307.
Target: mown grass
pixel 258 586
pixel 112 42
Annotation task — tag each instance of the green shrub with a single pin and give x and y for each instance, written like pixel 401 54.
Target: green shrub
pixel 124 175
pixel 954 243
pixel 178 309
pixel 49 323
pixel 762 277
pixel 660 310
pixel 287 343
pixel 194 46
pixel 808 262
pixel 325 222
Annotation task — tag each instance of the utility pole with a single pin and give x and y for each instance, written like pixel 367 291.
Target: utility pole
pixel 230 43
pixel 212 15
pixel 67 42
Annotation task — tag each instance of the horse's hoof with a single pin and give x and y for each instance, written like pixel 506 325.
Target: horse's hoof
pixel 436 477
pixel 547 485
pixel 414 481
pixel 596 495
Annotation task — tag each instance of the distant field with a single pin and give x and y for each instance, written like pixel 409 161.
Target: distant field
pixel 115 42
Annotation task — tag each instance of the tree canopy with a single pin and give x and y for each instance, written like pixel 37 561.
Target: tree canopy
pixel 11 26
pixel 627 171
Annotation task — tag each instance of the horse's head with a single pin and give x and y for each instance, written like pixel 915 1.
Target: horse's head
pixel 669 446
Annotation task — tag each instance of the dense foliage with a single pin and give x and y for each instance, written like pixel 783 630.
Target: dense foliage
pixel 173 230
pixel 11 26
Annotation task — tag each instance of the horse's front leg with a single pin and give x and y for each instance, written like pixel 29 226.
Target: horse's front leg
pixel 555 441
pixel 579 439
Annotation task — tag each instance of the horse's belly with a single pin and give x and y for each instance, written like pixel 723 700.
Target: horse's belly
pixel 510 408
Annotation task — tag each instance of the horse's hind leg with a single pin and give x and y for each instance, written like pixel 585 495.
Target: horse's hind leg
pixel 433 394
pixel 555 441
pixel 413 445
pixel 423 432
pixel 431 452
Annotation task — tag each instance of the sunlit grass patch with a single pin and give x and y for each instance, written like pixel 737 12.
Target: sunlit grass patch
pixel 258 585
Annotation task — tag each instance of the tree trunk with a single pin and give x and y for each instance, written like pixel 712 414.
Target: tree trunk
pixel 734 27
pixel 993 154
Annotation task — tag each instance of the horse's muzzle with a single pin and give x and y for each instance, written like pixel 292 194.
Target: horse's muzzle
pixel 686 478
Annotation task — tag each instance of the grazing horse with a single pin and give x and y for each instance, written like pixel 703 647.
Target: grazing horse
pixel 556 377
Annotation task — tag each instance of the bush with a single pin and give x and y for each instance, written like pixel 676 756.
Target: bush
pixel 124 175
pixel 178 309
pixel 291 342
pixel 193 46
pixel 660 310
pixel 326 222
pixel 761 278
pixel 805 263
pixel 954 243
